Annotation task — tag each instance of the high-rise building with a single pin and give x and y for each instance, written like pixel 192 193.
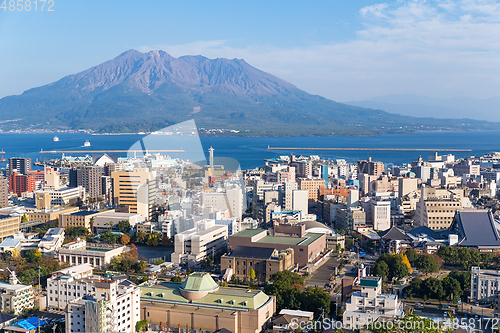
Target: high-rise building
pixel 437 206
pixel 302 168
pixel 19 183
pixel 370 168
pixel 312 186
pixel 324 173
pixel 21 164
pixel 4 192
pixel 136 189
pixel 89 177
pixel 94 303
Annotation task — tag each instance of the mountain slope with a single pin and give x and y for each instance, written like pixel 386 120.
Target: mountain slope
pixel 146 91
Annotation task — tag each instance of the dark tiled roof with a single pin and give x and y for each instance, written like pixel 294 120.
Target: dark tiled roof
pixel 5 317
pixel 427 231
pixel 393 234
pixel 252 252
pixel 84 213
pixel 477 228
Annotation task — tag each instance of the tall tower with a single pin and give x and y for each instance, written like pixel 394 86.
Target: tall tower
pixel 211 159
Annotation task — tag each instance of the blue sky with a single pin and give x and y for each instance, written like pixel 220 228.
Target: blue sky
pixel 343 50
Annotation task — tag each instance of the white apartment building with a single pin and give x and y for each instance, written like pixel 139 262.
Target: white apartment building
pixel 68 284
pixel 112 306
pixel 205 239
pixel 380 214
pixel 484 283
pixel 370 305
pixel 300 201
pixel 15 297
pixel 231 199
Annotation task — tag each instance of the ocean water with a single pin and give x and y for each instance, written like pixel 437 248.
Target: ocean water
pixel 250 152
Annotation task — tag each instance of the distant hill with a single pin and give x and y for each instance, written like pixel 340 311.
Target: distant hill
pixel 458 107
pixel 147 91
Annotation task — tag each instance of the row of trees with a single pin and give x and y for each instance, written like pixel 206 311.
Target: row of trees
pixel 392 266
pixel 127 262
pixel 465 258
pixel 451 287
pixel 288 287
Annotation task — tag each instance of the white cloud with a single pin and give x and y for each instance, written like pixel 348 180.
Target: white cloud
pixel 428 47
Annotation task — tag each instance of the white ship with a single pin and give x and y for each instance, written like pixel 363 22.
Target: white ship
pixel 55 139
pixel 87 143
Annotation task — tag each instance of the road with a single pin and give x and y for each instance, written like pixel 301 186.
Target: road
pixel 322 275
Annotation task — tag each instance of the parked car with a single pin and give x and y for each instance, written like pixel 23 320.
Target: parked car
pixel 446 306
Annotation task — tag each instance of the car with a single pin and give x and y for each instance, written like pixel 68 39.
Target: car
pixel 446 306
pixel 476 304
pixel 465 315
pixel 418 305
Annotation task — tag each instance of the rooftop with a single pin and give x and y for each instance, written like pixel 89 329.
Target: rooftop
pixel 248 232
pixel 199 282
pixel 84 213
pixel 308 239
pixel 252 252
pixel 224 297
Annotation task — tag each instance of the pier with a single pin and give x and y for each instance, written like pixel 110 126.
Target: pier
pixel 370 149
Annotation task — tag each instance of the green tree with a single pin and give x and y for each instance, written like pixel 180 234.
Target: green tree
pixel 315 300
pixel 140 325
pixel 381 269
pixel 451 287
pixel 427 264
pixel 76 231
pixel 176 279
pixel 433 288
pixel 108 237
pixel 123 226
pixel 462 277
pixel 33 256
pixel 412 255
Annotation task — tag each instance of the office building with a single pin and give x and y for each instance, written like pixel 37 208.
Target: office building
pixel 306 246
pixel 21 164
pixel 205 239
pixel 136 189
pixel 89 177
pixel 79 252
pixel 312 186
pixel 77 219
pixel 437 206
pixel 263 261
pixel 369 167
pixel 109 219
pixel 484 284
pixel 4 192
pixel 9 225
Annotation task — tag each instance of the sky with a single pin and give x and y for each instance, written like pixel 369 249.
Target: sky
pixel 342 50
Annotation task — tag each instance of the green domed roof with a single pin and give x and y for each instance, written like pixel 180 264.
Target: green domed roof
pixel 199 282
